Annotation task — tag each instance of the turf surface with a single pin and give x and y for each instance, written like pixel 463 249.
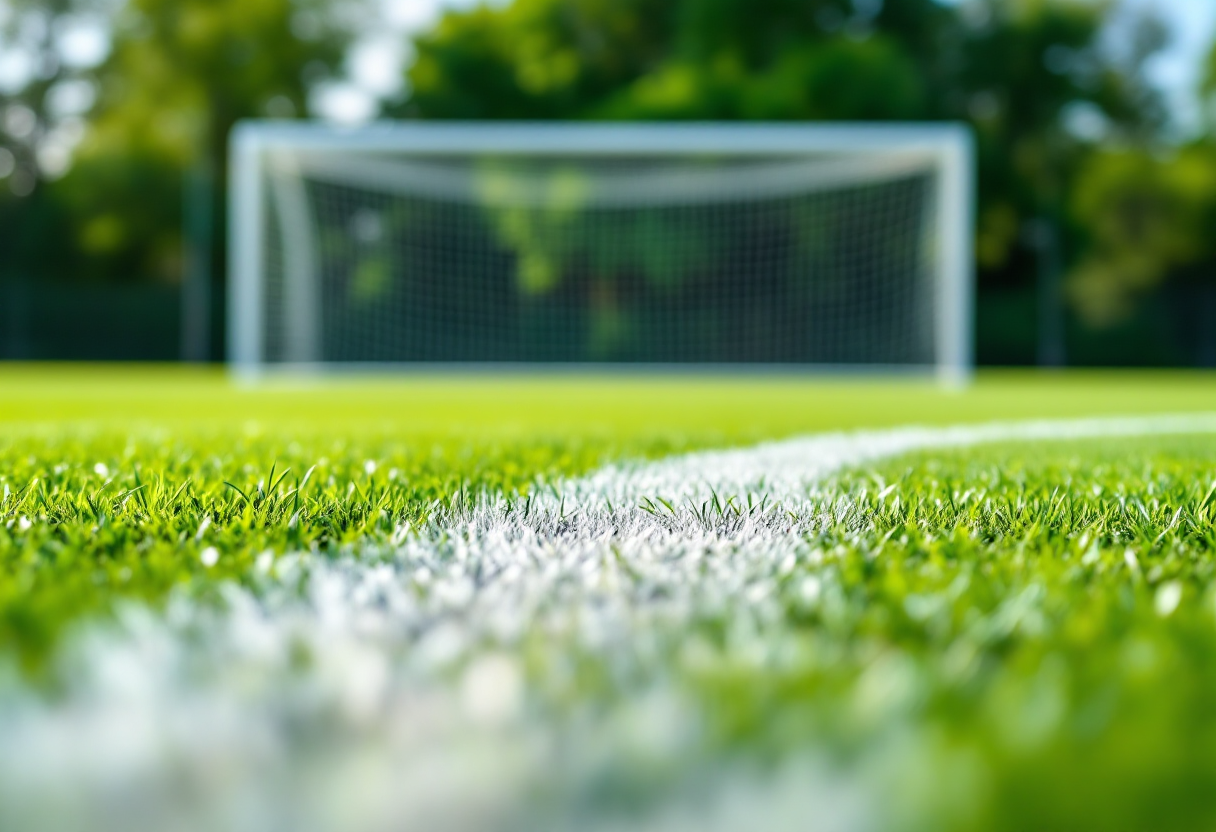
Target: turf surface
pixel 1017 636
pixel 611 406
pixel 1038 623
pixel 114 480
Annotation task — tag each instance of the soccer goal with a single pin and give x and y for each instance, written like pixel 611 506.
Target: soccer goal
pixel 690 245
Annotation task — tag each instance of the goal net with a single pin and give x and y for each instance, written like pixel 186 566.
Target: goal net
pixel 841 246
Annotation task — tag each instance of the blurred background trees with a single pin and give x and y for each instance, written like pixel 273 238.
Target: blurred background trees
pixel 1037 80
pixel 143 118
pixel 1092 223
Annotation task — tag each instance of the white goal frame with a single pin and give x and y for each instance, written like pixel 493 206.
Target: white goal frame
pixel 947 147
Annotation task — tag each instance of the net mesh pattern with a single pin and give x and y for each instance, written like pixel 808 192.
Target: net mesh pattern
pixel 715 260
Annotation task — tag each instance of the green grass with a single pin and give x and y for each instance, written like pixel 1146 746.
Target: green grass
pixel 1035 625
pixel 1038 621
pixel 183 445
pixel 1012 637
pixel 725 408
pixel 87 519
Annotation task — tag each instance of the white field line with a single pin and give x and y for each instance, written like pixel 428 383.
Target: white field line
pixel 386 690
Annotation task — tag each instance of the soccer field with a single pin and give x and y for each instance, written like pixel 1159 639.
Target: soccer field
pixel 616 602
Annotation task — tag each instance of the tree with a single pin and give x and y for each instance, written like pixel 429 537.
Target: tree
pixel 177 76
pixel 35 130
pixel 1143 214
pixel 1011 68
pixel 181 73
pixel 1144 218
pixel 1024 73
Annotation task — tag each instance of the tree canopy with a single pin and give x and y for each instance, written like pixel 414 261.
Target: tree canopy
pixel 176 76
pixel 1017 70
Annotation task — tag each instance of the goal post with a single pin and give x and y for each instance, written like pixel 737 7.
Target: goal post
pixel 407 244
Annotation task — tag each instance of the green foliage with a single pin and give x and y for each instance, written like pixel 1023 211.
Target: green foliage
pixel 177 76
pixel 535 58
pixel 182 72
pixel 838 80
pixel 1146 219
pixel 666 252
pixel 1012 69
